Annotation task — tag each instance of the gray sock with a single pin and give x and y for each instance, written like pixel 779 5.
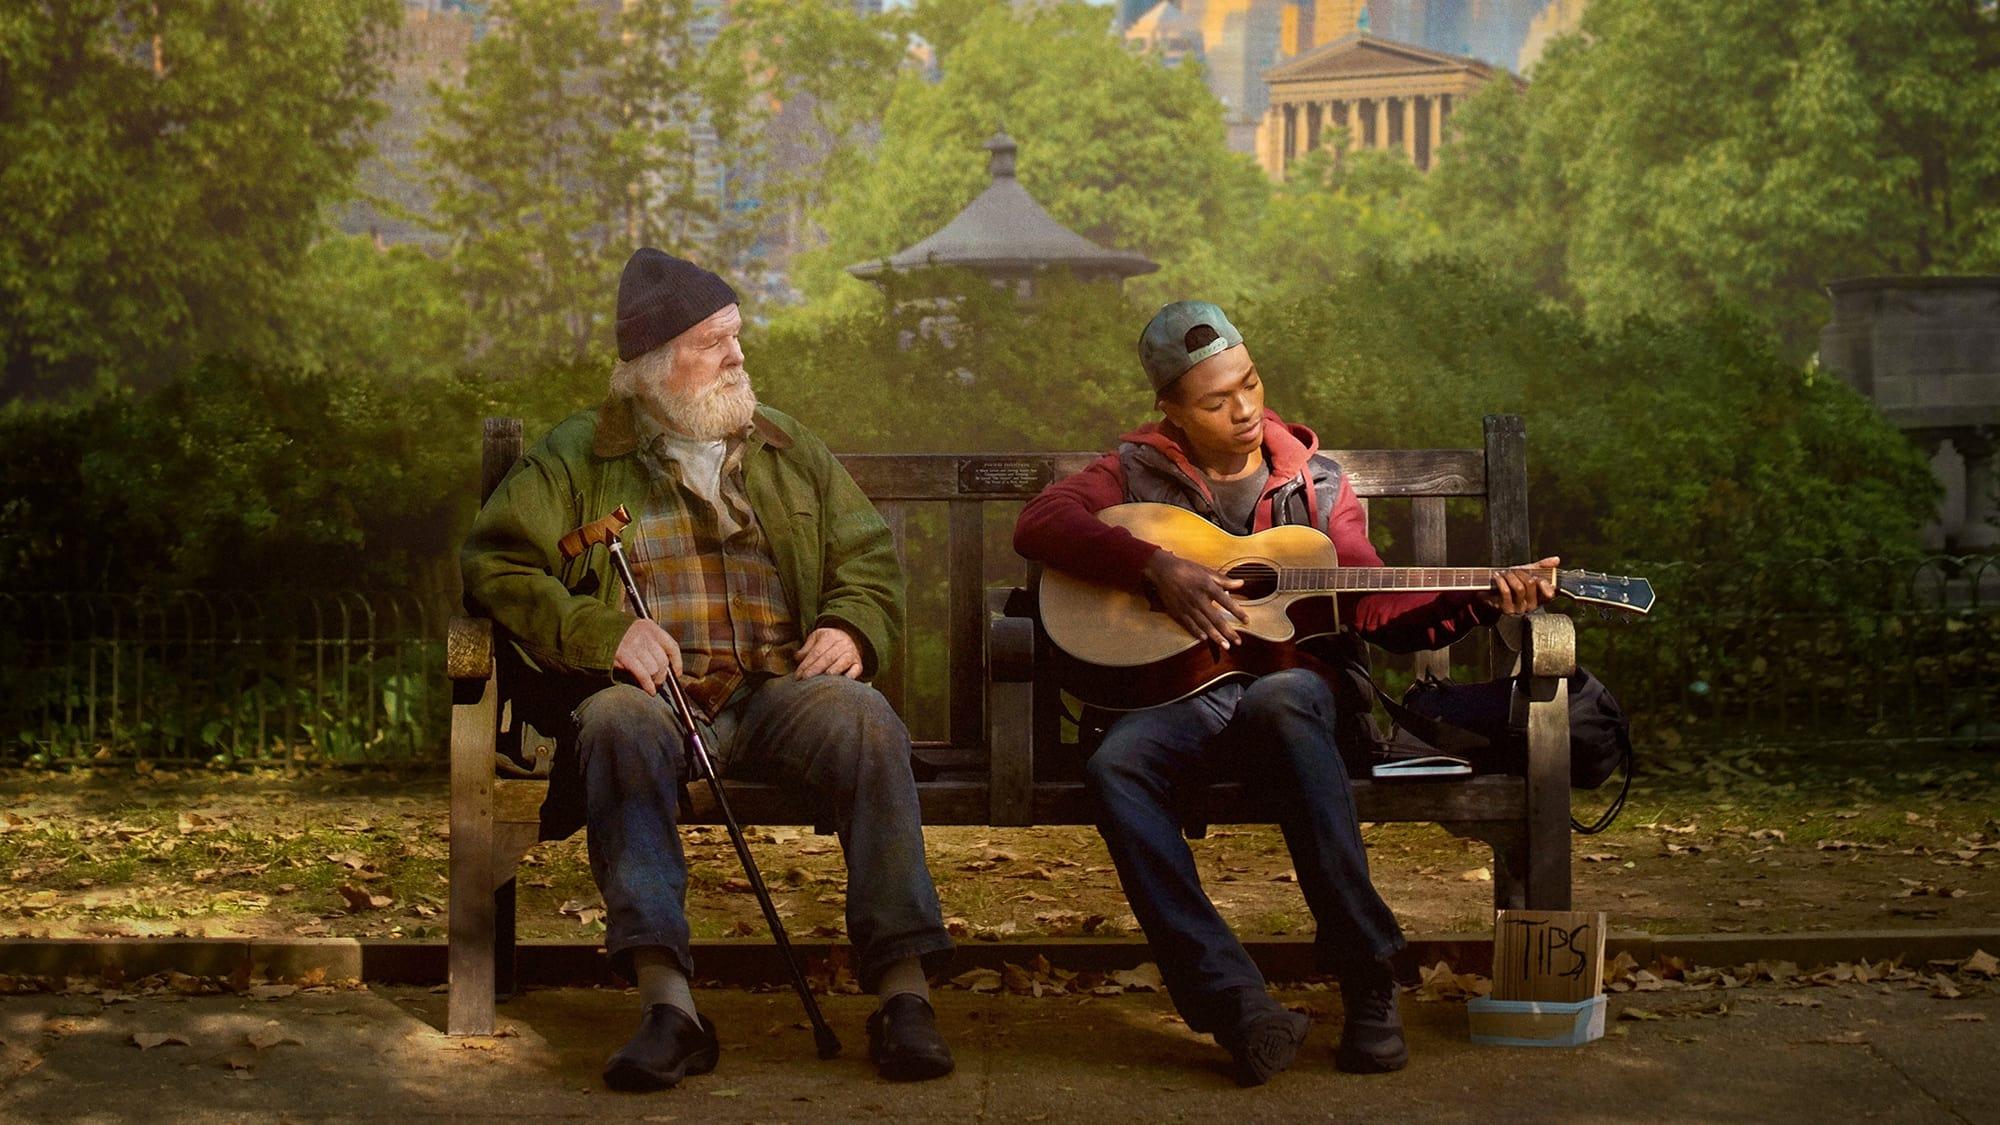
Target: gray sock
pixel 906 975
pixel 661 981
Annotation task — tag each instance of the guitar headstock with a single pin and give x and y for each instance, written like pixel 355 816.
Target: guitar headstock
pixel 1610 591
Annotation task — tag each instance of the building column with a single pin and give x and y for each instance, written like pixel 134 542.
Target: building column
pixel 1290 115
pixel 1437 127
pixel 1350 117
pixel 1410 127
pixel 1315 112
pixel 1977 532
pixel 1381 123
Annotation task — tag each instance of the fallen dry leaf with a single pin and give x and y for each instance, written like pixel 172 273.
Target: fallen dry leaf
pixel 978 980
pixel 147 1040
pixel 359 899
pixel 1966 1017
pixel 1139 978
pixel 1476 875
pixel 1981 963
pixel 270 1035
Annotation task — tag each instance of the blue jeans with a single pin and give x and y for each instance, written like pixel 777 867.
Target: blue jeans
pixel 1276 736
pixel 837 738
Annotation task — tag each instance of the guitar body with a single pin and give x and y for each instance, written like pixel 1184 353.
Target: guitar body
pixel 1118 650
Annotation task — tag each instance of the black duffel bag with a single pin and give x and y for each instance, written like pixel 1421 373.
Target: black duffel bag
pixel 1474 721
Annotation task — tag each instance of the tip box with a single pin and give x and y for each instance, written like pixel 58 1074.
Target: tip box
pixel 1536 1023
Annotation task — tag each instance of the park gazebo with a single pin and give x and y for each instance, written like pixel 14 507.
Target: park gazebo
pixel 1008 238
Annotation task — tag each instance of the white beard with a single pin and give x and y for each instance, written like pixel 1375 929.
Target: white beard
pixel 718 411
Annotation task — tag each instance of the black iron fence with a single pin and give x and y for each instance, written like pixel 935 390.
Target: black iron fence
pixel 1812 651
pixel 1893 651
pixel 191 677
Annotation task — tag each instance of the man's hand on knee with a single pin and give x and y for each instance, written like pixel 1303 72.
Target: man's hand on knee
pixel 648 654
pixel 832 651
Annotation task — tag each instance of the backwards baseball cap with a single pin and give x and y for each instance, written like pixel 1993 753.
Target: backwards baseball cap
pixel 1181 335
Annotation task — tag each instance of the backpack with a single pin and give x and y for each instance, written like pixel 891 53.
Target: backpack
pixel 1473 722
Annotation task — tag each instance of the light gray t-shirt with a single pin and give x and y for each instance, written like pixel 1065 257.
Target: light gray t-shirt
pixel 1236 500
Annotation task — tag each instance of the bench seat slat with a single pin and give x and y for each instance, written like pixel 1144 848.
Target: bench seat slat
pixel 966 802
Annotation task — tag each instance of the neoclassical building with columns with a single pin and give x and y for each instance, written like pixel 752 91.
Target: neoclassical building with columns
pixel 1387 95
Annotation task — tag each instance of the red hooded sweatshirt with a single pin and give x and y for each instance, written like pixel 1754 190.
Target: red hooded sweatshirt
pixel 1060 528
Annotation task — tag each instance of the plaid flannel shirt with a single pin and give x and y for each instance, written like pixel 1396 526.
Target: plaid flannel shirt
pixel 719 597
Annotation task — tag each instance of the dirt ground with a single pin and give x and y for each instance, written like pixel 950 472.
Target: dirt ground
pixel 1759 840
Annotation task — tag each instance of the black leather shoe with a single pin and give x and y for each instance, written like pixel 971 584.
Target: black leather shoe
pixel 668 1048
pixel 903 1040
pixel 1264 1044
pixel 1371 1035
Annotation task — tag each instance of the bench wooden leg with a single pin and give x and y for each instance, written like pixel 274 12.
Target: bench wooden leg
pixel 1548 860
pixel 474 718
pixel 503 941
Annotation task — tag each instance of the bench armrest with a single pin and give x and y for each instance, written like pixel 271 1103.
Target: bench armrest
pixel 1010 641
pixel 468 648
pixel 1544 644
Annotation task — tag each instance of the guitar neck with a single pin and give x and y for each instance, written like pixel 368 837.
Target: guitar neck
pixel 1382 579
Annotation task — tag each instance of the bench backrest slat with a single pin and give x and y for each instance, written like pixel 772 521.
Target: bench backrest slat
pixel 905 484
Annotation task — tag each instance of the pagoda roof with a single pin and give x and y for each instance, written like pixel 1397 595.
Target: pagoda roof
pixel 1005 230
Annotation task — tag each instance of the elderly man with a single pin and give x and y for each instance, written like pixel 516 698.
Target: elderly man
pixel 775 593
pixel 1219 452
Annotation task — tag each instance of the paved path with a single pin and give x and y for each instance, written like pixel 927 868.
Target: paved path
pixel 1871 1052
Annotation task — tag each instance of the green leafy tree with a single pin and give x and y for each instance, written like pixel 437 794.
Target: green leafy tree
pixel 807 82
pixel 162 172
pixel 394 312
pixel 1335 213
pixel 1653 440
pixel 572 140
pixel 1117 146
pixel 1702 150
pixel 980 367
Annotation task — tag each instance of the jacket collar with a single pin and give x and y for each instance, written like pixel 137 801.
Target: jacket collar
pixel 617 432
pixel 1288 447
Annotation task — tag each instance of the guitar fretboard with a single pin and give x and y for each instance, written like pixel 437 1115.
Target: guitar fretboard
pixel 1347 579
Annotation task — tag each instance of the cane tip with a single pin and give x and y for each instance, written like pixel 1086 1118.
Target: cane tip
pixel 829 1044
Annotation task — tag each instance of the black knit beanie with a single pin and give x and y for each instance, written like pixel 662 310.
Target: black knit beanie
pixel 660 297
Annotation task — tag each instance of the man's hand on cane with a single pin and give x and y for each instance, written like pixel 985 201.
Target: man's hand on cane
pixel 648 654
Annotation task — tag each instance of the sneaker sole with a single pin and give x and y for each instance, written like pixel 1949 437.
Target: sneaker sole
pixel 1254 1068
pixel 1360 1062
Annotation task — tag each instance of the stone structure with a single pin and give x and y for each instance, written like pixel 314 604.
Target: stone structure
pixel 1387 95
pixel 1926 350
pixel 1007 237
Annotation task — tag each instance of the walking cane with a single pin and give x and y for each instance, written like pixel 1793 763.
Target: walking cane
pixel 606 531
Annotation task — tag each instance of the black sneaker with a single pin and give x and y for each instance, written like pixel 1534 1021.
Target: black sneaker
pixel 1264 1044
pixel 1371 1034
pixel 903 1040
pixel 669 1047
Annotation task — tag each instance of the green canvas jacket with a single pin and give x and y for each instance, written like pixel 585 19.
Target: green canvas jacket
pixel 835 556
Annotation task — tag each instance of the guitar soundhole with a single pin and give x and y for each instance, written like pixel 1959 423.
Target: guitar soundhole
pixel 1260 580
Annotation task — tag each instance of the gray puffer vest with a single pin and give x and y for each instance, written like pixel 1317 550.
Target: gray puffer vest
pixel 1152 476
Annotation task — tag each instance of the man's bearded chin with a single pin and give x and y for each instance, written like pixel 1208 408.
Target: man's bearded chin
pixel 720 410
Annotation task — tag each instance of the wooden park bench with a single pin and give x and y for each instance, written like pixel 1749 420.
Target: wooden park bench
pixel 1000 758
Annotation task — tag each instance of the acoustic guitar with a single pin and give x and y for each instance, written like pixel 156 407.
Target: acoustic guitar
pixel 1120 651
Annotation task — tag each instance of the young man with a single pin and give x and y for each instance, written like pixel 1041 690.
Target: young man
pixel 1220 453
pixel 775 590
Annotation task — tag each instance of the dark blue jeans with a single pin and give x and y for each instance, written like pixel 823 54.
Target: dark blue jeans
pixel 1276 736
pixel 837 738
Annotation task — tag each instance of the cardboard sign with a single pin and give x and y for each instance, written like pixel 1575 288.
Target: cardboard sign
pixel 1555 955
